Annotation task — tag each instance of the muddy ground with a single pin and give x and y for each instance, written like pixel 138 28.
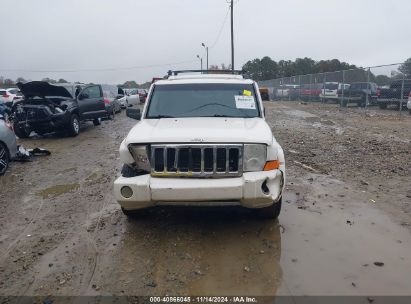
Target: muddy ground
pixel 344 228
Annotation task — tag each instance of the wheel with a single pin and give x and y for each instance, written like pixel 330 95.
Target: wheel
pixel 6 116
pixel 97 121
pixel 110 114
pixel 382 105
pixel 21 132
pixel 4 158
pixel 270 212
pixel 74 126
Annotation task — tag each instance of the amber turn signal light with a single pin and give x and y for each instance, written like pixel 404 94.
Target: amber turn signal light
pixel 272 165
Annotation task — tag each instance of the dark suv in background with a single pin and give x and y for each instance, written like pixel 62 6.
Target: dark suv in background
pixel 358 92
pixel 392 95
pixel 47 108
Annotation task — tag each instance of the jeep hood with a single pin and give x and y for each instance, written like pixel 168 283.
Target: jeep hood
pixel 42 89
pixel 201 130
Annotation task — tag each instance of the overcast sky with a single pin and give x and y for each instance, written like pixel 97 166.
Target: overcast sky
pixel 138 38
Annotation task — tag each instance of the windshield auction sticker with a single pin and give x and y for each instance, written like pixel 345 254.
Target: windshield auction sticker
pixel 244 102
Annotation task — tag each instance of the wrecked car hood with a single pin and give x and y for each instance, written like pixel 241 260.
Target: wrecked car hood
pixel 201 130
pixel 42 89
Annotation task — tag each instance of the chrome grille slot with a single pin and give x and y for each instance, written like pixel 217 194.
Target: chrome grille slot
pixel 196 160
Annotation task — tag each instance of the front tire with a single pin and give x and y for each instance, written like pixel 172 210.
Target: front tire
pixel 270 212
pixel 97 121
pixel 21 132
pixel 4 159
pixel 110 114
pixel 74 126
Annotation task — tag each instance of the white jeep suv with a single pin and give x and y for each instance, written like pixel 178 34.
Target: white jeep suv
pixel 202 141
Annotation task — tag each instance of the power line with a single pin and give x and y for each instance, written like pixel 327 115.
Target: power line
pixel 221 29
pixel 99 70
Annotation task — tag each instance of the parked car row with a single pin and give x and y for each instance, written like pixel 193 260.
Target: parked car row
pixel 360 93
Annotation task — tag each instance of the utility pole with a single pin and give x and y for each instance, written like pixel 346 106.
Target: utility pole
pixel 232 35
pixel 206 48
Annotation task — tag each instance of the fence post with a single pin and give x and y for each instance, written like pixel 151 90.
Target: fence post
pixel 299 87
pixel 323 89
pixel 402 93
pixel 368 89
pixel 311 86
pixel 343 87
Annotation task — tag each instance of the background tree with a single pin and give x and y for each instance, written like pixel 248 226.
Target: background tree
pixel 262 69
pixel 49 80
pixel 405 68
pixel 9 82
pixel 21 79
pixel 61 80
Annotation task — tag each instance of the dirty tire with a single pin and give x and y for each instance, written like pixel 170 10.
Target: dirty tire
pixel 270 212
pixel 4 158
pixel 382 106
pixel 97 121
pixel 74 126
pixel 110 115
pixel 21 132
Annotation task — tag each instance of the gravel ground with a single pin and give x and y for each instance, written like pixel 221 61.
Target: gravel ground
pixel 344 227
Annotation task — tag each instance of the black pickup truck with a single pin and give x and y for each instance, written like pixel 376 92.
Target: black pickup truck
pixel 47 108
pixel 392 95
pixel 358 92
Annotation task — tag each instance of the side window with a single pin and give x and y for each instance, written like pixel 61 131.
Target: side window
pixel 92 92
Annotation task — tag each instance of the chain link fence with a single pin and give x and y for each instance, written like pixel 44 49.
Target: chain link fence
pixel 385 86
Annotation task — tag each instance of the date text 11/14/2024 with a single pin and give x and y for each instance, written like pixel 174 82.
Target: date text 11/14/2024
pixel 203 299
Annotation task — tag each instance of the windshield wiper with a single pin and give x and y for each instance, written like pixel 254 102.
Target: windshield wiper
pixel 220 115
pixel 161 116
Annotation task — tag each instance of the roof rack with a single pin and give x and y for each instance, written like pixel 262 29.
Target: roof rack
pixel 235 72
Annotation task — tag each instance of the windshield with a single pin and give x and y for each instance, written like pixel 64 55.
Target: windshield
pixel 331 86
pixel 203 100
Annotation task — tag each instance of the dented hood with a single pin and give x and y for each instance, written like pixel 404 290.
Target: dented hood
pixel 201 130
pixel 42 89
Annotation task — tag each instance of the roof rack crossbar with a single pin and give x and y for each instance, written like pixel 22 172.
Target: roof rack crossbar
pixel 235 72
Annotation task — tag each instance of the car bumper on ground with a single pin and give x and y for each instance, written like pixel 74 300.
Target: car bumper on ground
pixel 252 190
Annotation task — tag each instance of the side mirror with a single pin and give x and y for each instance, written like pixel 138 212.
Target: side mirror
pixel 133 113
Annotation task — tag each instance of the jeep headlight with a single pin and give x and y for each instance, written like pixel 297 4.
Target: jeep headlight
pixel 255 157
pixel 140 156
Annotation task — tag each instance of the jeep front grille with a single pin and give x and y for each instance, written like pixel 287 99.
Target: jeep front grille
pixel 197 160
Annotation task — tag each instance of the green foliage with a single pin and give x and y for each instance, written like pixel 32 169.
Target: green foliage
pixel 266 68
pixel 405 68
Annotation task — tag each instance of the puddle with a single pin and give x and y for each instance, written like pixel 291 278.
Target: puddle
pixel 57 190
pixel 334 251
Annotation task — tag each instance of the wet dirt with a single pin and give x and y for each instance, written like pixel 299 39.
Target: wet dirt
pixel 346 207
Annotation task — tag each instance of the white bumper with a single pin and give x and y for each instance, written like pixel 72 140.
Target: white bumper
pixel 247 191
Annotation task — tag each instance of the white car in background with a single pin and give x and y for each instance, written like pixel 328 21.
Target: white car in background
pixel 409 103
pixel 133 98
pixel 331 89
pixel 10 95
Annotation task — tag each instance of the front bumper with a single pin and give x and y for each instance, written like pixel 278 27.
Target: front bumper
pixel 251 190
